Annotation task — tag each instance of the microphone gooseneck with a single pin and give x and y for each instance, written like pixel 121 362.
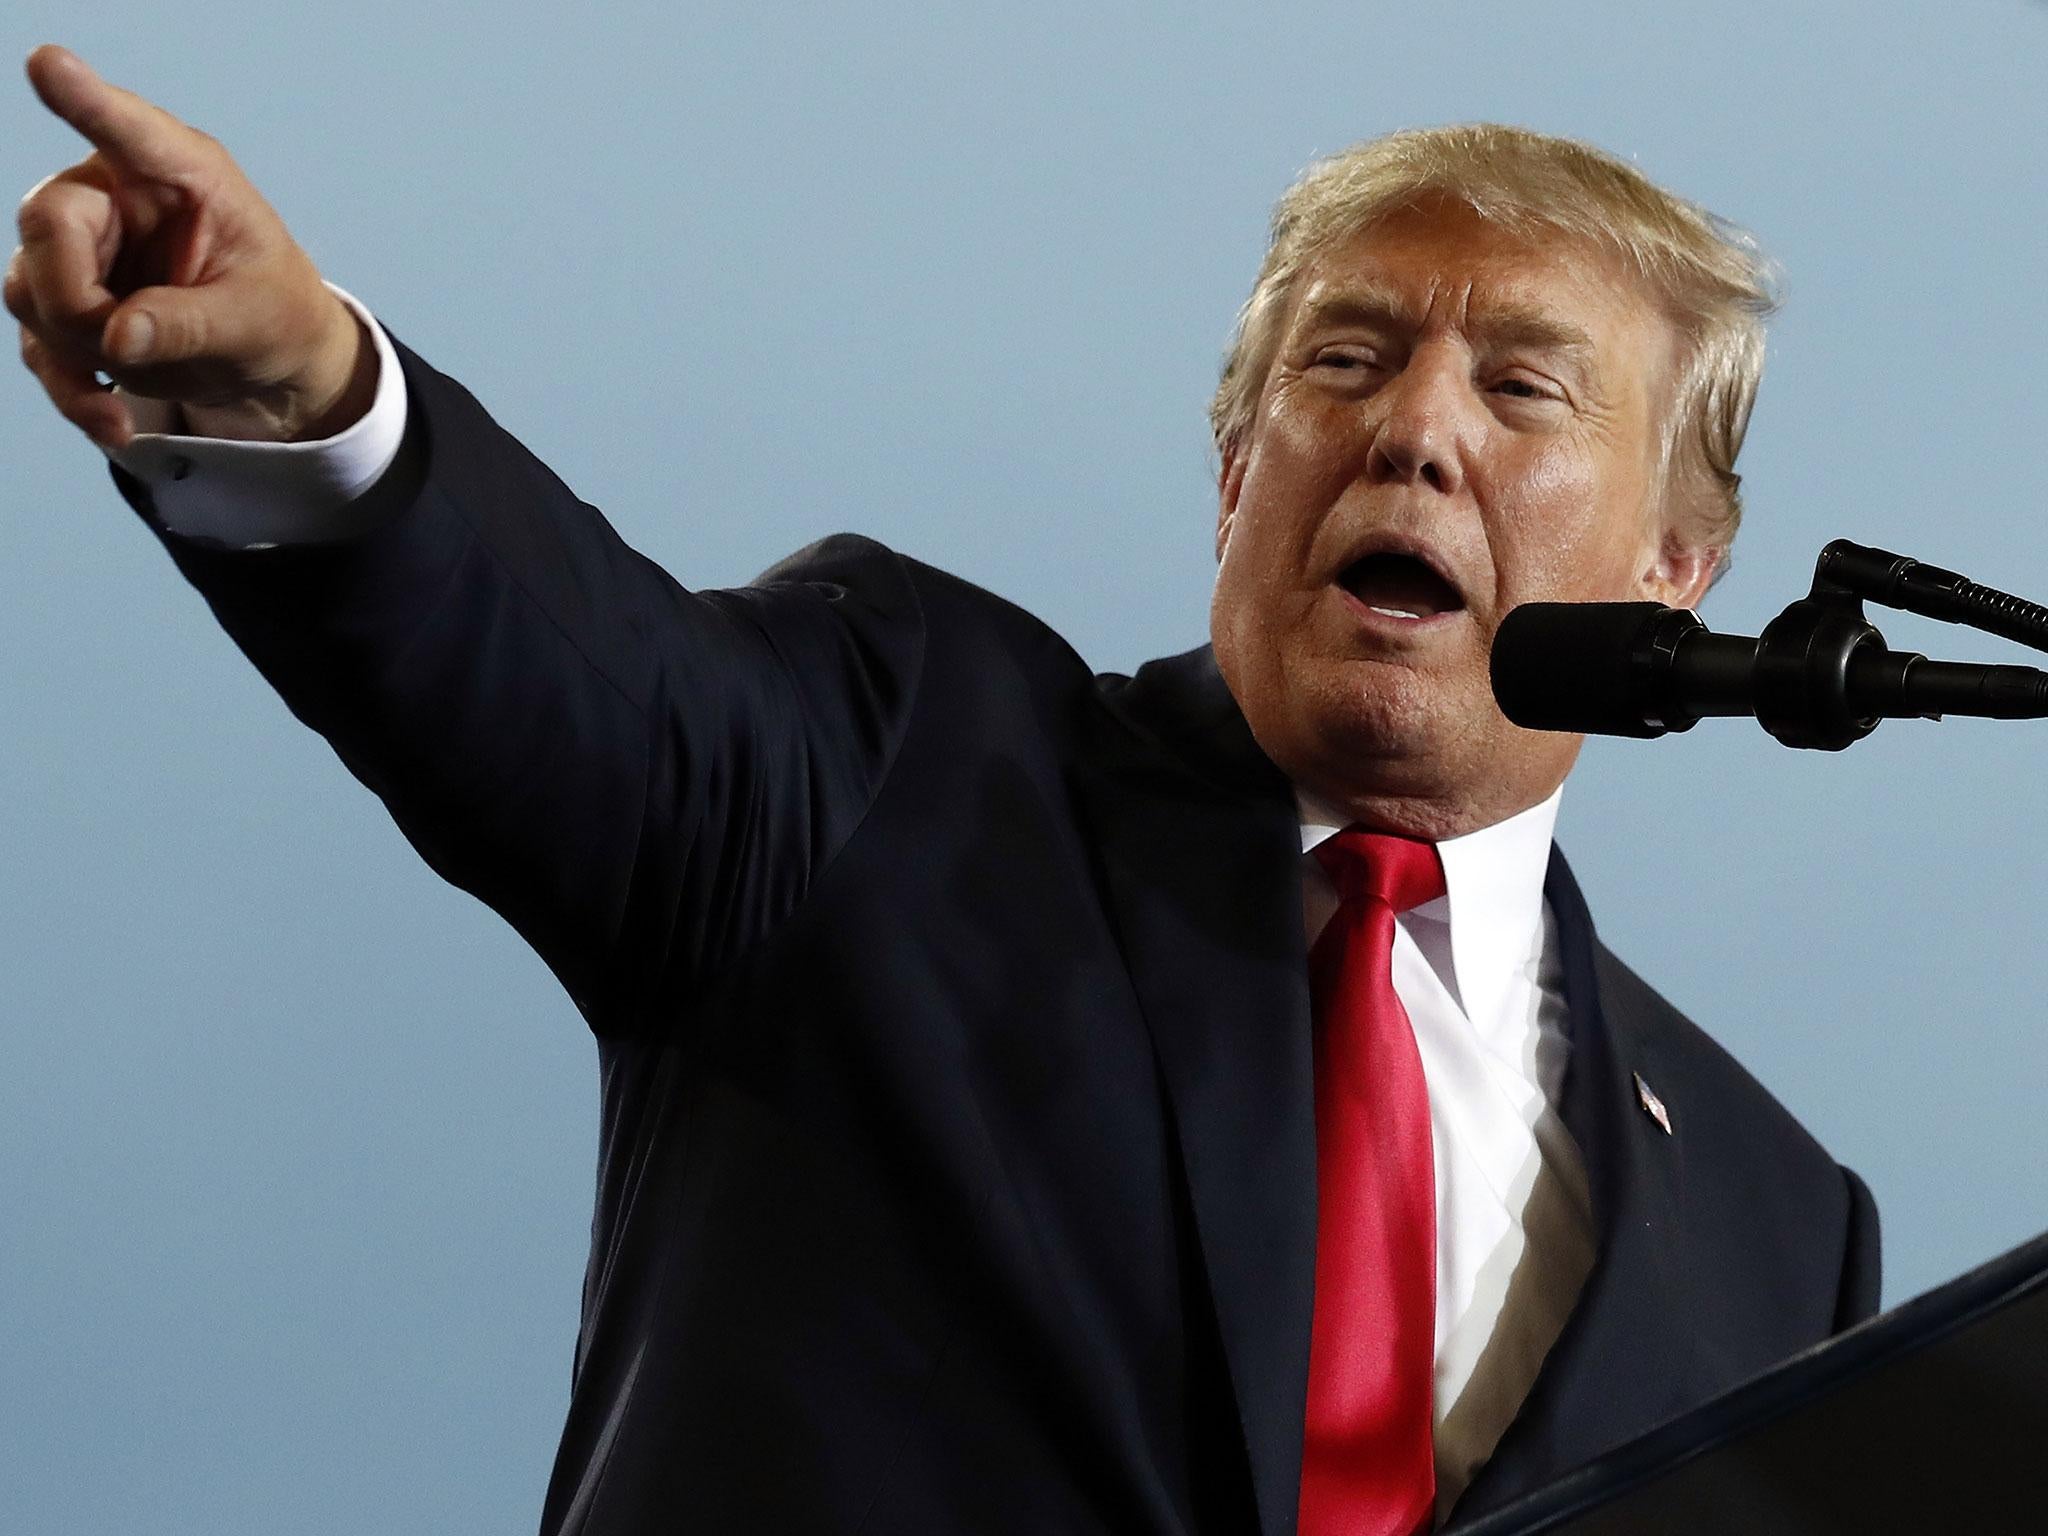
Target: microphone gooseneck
pixel 1899 581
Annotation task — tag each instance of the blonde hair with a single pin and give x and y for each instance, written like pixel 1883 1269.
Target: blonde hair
pixel 1713 282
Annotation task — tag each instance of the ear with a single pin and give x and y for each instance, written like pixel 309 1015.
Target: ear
pixel 1678 571
pixel 1228 485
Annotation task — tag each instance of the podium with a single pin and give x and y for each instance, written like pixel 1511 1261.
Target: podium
pixel 1930 1418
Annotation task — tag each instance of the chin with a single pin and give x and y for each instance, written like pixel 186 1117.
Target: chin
pixel 1362 728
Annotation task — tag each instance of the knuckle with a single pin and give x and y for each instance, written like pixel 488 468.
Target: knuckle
pixel 50 188
pixel 53 203
pixel 205 143
pixel 35 218
pixel 199 151
pixel 37 192
pixel 37 354
pixel 25 304
pixel 33 320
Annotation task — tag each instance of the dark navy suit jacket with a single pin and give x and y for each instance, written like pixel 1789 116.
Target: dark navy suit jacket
pixel 958 1157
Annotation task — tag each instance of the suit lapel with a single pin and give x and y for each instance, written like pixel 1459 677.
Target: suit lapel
pixel 1200 848
pixel 1622 1361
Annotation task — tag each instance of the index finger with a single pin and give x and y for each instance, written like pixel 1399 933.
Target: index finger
pixel 135 134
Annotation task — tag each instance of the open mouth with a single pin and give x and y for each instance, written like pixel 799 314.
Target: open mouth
pixel 1399 586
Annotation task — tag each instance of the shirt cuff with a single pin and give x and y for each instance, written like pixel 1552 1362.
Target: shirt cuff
pixel 252 495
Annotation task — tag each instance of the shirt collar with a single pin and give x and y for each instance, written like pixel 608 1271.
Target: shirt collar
pixel 1493 904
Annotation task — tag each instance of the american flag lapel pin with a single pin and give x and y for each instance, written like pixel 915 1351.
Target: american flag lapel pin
pixel 1652 1105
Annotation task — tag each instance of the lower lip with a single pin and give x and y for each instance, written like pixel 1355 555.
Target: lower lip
pixel 1391 624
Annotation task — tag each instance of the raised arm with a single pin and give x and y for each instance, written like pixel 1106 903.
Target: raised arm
pixel 644 780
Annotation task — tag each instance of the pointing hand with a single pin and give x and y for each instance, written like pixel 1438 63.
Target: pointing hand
pixel 155 263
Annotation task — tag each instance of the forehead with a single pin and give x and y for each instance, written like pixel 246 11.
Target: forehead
pixel 1439 265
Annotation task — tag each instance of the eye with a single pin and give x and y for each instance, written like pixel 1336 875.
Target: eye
pixel 1524 389
pixel 1343 359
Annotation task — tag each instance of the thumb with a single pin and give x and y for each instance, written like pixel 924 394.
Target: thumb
pixel 162 326
pixel 239 339
pixel 134 335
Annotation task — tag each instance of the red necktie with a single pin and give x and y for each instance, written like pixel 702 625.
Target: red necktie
pixel 1367 1466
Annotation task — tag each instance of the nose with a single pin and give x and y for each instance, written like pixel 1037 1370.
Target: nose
pixel 1417 439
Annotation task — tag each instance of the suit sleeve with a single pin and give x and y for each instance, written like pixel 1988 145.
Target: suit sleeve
pixel 1862 1263
pixel 643 780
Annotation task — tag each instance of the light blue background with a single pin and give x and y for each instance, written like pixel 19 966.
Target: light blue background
pixel 296 1143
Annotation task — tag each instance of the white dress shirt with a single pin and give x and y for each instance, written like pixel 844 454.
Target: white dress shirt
pixel 1478 969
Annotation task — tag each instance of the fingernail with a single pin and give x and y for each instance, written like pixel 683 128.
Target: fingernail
pixel 137 337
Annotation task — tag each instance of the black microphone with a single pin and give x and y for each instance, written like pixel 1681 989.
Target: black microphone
pixel 1817 677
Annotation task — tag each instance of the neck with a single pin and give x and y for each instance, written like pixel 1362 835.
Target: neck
pixel 1434 818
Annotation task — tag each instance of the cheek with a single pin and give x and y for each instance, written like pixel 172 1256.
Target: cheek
pixel 1565 530
pixel 1305 442
pixel 1288 485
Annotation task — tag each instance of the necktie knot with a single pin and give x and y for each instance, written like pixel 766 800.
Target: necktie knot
pixel 1399 872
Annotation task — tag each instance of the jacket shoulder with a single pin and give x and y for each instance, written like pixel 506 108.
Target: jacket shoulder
pixel 856 560
pixel 975 639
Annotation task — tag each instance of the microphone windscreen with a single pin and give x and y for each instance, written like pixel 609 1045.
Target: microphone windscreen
pixel 1574 667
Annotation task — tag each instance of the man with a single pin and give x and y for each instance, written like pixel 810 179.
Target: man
pixel 1009 1123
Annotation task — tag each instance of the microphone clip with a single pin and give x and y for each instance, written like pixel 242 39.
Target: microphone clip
pixel 1803 664
pixel 1821 666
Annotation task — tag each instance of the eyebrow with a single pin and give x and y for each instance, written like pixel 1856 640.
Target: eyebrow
pixel 1506 324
